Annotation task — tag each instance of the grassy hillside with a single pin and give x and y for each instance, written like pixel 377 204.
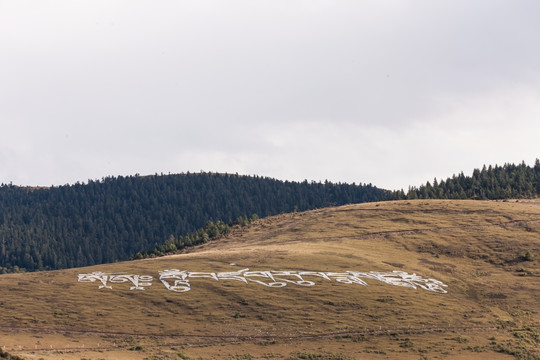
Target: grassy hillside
pixel 485 252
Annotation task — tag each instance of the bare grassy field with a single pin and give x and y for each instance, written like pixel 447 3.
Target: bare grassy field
pixel 486 252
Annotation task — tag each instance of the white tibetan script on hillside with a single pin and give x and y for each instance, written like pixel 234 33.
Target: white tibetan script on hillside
pixel 139 281
pixel 180 280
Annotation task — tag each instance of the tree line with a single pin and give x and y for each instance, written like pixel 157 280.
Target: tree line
pixel 210 231
pixel 488 183
pixel 114 218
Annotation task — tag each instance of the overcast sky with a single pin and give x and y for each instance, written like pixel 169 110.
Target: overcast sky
pixel 392 93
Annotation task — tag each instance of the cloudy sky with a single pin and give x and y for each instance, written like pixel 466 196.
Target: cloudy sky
pixel 392 93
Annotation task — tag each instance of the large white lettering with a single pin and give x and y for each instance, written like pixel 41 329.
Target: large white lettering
pixel 180 280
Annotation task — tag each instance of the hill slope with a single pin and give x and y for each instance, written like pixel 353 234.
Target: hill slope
pixel 477 285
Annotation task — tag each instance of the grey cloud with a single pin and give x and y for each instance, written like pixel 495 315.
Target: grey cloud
pixel 137 84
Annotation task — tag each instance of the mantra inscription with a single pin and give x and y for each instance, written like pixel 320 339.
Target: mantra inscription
pixel 180 280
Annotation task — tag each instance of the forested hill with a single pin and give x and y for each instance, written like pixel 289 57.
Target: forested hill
pixel 112 219
pixel 498 182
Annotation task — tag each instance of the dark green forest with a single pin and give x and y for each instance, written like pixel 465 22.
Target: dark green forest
pixel 114 218
pixel 489 183
pixel 117 218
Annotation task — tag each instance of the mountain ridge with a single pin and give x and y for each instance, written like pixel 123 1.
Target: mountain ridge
pixel 136 216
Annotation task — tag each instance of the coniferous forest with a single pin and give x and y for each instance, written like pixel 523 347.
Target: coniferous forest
pixel 117 218
pixel 114 218
pixel 489 183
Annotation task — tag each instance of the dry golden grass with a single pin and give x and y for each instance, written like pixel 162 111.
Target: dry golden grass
pixel 477 248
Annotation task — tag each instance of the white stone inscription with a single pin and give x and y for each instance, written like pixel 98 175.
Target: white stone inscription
pixel 138 281
pixel 179 280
